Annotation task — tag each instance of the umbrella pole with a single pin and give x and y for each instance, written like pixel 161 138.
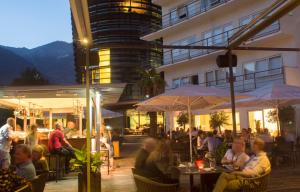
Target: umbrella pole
pixel 232 96
pixel 278 122
pixel 190 130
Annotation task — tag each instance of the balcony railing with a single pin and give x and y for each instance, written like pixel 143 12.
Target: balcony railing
pixel 249 81
pixel 189 10
pixel 177 55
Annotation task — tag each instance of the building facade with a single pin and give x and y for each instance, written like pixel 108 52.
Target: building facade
pixel 114 22
pixel 212 22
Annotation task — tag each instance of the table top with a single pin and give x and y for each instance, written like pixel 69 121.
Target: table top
pixel 196 171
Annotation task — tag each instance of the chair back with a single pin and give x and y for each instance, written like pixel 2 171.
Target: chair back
pixel 38 184
pixel 258 184
pixel 144 184
pixel 25 188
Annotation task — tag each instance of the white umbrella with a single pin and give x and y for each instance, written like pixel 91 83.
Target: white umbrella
pixel 271 95
pixel 107 114
pixel 187 98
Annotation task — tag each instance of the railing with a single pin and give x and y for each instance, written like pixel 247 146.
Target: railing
pixel 176 55
pixel 249 81
pixel 189 10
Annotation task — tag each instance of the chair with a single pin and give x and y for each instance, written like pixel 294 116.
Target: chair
pixel 38 184
pixel 257 184
pixel 144 184
pixel 25 188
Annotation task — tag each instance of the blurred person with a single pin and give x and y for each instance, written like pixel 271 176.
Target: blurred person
pixel 58 144
pixel 39 161
pixel 24 165
pixel 290 136
pixel 6 138
pixel 194 132
pixel 160 164
pixel 149 144
pixel 236 156
pixel 32 137
pixel 212 142
pixel 255 167
pixel 266 136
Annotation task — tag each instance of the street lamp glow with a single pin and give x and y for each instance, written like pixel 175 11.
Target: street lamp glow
pixel 85 41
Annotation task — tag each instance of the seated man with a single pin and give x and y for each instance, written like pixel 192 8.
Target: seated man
pixel 56 145
pixel 24 166
pixel 236 156
pixel 149 145
pixel 256 166
pixel 39 161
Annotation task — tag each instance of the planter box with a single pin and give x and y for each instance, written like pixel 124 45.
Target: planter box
pixel 95 182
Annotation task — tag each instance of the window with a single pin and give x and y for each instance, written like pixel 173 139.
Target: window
pixel 221 77
pixel 204 5
pixel 217 36
pixel 179 54
pixel 185 81
pixel 193 8
pixel 275 62
pixel 182 12
pixel 228 29
pixel 195 80
pixel 261 68
pixel 245 20
pixel 210 79
pixel 207 38
pixel 173 16
pixel 176 83
pixel 249 69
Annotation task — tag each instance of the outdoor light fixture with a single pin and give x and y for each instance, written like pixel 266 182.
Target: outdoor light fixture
pixel 108 127
pixel 85 41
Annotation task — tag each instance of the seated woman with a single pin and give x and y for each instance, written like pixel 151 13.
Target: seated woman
pixel 160 164
pixel 39 161
pixel 236 157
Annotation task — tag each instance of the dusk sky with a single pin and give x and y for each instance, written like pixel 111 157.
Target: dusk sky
pixel 31 23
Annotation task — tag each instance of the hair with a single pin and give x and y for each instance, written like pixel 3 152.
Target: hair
pixel 25 149
pixel 162 151
pixel 259 143
pixel 10 119
pixel 238 138
pixel 33 129
pixel 57 125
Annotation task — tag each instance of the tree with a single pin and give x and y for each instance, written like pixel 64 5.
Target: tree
pixel 182 119
pixel 285 117
pixel 30 76
pixel 218 119
pixel 151 84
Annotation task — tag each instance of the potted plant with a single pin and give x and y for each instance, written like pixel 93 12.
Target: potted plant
pixel 81 163
pixel 182 119
pixel 218 119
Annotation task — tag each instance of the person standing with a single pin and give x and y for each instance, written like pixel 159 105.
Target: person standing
pixel 6 137
pixel 58 144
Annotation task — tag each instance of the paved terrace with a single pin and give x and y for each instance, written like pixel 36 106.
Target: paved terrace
pixel 283 179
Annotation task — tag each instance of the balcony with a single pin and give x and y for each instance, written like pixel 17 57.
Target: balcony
pixel 172 56
pixel 189 10
pixel 250 81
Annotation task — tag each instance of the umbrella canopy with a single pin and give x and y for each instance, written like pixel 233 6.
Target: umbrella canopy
pixel 187 98
pixel 271 95
pixel 107 114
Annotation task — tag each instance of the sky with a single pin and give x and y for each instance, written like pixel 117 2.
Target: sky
pixel 32 23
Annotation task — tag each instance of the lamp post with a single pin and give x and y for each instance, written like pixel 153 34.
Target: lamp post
pixel 85 43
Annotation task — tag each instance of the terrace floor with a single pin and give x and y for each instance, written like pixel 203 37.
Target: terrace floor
pixel 283 179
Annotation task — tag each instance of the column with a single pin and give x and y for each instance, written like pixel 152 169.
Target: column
pixel 50 120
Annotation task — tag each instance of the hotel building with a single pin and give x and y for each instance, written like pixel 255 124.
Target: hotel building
pixel 212 22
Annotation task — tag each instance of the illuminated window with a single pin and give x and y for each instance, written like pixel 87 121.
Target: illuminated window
pixel 103 75
pixel 131 6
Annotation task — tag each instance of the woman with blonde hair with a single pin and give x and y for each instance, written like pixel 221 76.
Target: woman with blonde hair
pixel 160 163
pixel 32 137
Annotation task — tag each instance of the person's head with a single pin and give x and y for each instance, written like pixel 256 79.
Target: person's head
pixel 22 154
pixel 33 128
pixel 162 151
pixel 37 152
pixel 266 131
pixel 244 132
pixel 215 132
pixel 238 145
pixel 149 144
pixel 10 121
pixel 58 125
pixel 258 145
pixel 210 134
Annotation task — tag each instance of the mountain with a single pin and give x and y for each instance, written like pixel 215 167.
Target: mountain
pixel 54 60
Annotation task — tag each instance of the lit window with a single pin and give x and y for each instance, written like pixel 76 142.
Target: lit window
pixel 104 73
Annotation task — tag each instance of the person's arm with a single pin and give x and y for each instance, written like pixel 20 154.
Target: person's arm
pixel 225 160
pixel 67 142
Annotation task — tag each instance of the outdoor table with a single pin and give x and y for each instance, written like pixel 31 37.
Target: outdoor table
pixel 191 171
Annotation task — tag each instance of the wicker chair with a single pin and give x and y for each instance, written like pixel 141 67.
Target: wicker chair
pixel 25 188
pixel 144 184
pixel 257 184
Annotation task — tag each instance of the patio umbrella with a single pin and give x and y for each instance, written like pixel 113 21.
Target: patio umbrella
pixel 187 98
pixel 272 95
pixel 108 114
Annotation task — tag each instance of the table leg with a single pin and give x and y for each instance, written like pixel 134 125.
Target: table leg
pixel 191 182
